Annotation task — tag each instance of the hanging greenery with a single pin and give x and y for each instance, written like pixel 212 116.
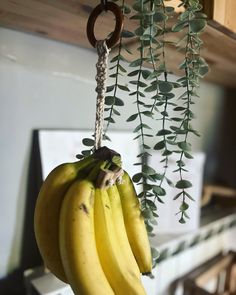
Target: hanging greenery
pixel 154 93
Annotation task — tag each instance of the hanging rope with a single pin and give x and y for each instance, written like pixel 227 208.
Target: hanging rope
pixel 101 78
pixel 103 49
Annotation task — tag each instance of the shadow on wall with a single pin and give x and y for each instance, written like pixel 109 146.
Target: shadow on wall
pixel 29 256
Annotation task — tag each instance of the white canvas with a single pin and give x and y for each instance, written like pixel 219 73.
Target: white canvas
pixel 168 220
pixel 60 146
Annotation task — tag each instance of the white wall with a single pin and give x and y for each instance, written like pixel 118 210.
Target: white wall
pixel 46 84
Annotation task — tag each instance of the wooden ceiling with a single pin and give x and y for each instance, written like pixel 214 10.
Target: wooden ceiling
pixel 65 20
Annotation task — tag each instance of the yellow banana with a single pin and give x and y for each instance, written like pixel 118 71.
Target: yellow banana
pixel 77 241
pixel 47 212
pixel 121 276
pixel 120 230
pixel 134 223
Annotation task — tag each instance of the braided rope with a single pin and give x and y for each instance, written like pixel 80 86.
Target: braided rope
pixel 101 78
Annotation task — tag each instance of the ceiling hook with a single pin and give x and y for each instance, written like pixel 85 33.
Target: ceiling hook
pixel 115 36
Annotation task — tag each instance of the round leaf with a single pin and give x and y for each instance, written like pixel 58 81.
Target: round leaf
pixel 185 146
pixel 109 100
pixel 165 86
pixel 197 25
pixel 183 184
pixel 88 141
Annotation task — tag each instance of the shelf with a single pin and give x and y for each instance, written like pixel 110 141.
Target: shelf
pixel 66 21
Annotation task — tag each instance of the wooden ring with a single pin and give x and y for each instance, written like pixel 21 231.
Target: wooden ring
pixel 118 28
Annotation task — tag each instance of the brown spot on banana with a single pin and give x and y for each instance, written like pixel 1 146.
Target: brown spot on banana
pixel 84 208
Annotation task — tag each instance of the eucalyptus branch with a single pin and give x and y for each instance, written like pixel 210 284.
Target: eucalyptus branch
pixel 195 24
pixel 112 100
pixel 164 95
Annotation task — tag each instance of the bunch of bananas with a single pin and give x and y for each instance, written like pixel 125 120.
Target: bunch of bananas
pixel 89 227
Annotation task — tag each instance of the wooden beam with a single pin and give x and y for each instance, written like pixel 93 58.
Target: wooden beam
pixel 66 21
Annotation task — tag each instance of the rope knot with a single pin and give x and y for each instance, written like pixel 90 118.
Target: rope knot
pixel 101 78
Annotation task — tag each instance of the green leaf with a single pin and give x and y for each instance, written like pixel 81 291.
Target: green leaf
pixel 137 128
pixel 127 9
pixel 188 156
pixel 179 26
pixel 160 200
pixel 137 177
pixel 146 126
pixel 163 132
pixel 133 73
pixel 109 100
pixel 185 146
pixel 166 153
pixel 155 253
pixel 157 176
pixel 197 25
pixel 139 31
pixel 118 102
pixel 110 88
pixel 203 71
pixel 136 63
pixel 159 17
pixel 146 186
pixel 86 153
pixel 137 93
pixel 160 145
pixel 189 196
pixel 150 31
pixel 109 119
pixel 127 34
pixel 122 69
pixel 170 183
pixel 183 184
pixel 180 163
pixel 182 220
pixel 132 117
pixel 179 109
pixel 124 88
pixel 148 170
pixel 176 119
pixel 116 112
pixel 139 83
pixel 169 9
pixel 158 190
pixel 88 141
pixel 147 214
pixel 151 88
pixel 115 58
pixel 165 86
pixel 145 74
pixel 149 228
pixel 184 206
pixel 177 196
pixel 147 113
pixel 146 147
pixel 151 204
pixel 153 221
pixel 79 156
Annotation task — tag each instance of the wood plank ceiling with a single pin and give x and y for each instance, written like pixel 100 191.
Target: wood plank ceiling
pixel 65 20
